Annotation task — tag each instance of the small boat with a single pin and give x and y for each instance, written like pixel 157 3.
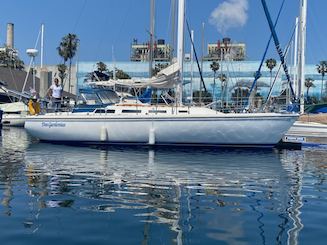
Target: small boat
pixel 14 114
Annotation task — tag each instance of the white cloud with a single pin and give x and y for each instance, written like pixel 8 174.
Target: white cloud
pixel 229 14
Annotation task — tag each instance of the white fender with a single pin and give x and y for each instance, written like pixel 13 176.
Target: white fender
pixel 103 134
pixel 152 136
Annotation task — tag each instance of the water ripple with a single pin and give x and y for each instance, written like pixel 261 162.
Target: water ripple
pixel 204 195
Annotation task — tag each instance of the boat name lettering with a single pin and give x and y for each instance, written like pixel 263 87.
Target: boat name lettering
pixel 53 124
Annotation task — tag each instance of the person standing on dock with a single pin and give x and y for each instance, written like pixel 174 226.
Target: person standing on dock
pixel 56 94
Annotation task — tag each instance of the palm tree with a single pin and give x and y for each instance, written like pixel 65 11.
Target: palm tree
pixel 271 63
pixel 214 67
pixel 309 84
pixel 62 68
pixel 322 69
pixel 223 79
pixel 67 50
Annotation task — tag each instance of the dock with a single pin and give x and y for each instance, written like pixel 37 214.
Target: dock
pixel 309 129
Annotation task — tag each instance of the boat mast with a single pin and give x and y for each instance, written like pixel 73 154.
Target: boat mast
pixel 192 62
pixel 152 9
pixel 114 63
pixel 302 45
pixel 173 30
pixel 42 44
pixel 180 48
pixel 296 38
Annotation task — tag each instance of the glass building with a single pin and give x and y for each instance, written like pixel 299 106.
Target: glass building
pixel 237 72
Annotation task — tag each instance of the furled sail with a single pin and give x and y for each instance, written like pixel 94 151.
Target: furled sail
pixel 166 78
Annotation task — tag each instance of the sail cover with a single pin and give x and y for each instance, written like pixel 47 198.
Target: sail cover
pixel 166 78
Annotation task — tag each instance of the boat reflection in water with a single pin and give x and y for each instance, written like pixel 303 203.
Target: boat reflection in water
pixel 182 195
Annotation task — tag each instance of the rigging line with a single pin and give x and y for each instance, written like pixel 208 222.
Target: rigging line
pixel 277 45
pixel 13 78
pixel 6 92
pixel 30 65
pixel 123 22
pixel 257 74
pixel 101 39
pixel 37 39
pixel 79 16
pixel 231 64
pixel 196 58
pixel 285 54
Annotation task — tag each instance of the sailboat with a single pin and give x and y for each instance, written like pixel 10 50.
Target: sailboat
pixel 163 125
pixel 304 131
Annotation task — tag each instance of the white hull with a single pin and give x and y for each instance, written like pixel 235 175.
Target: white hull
pixel 260 129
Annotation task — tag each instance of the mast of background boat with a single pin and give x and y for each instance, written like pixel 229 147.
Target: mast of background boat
pixel 302 44
pixel 192 62
pixel 180 48
pixel 114 61
pixel 296 38
pixel 152 9
pixel 202 56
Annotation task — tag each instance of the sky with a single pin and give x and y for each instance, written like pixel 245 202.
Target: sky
pixel 106 25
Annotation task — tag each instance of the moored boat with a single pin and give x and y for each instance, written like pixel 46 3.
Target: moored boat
pixel 162 125
pixel 14 114
pixel 175 124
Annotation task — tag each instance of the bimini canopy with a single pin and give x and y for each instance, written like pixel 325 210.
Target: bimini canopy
pixel 166 78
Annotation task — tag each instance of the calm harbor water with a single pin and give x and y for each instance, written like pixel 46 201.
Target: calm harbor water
pixel 56 194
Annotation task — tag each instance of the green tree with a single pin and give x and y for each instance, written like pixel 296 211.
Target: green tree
pixel 120 74
pixel 309 84
pixel 102 67
pixel 214 66
pixel 67 50
pixel 271 63
pixel 62 68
